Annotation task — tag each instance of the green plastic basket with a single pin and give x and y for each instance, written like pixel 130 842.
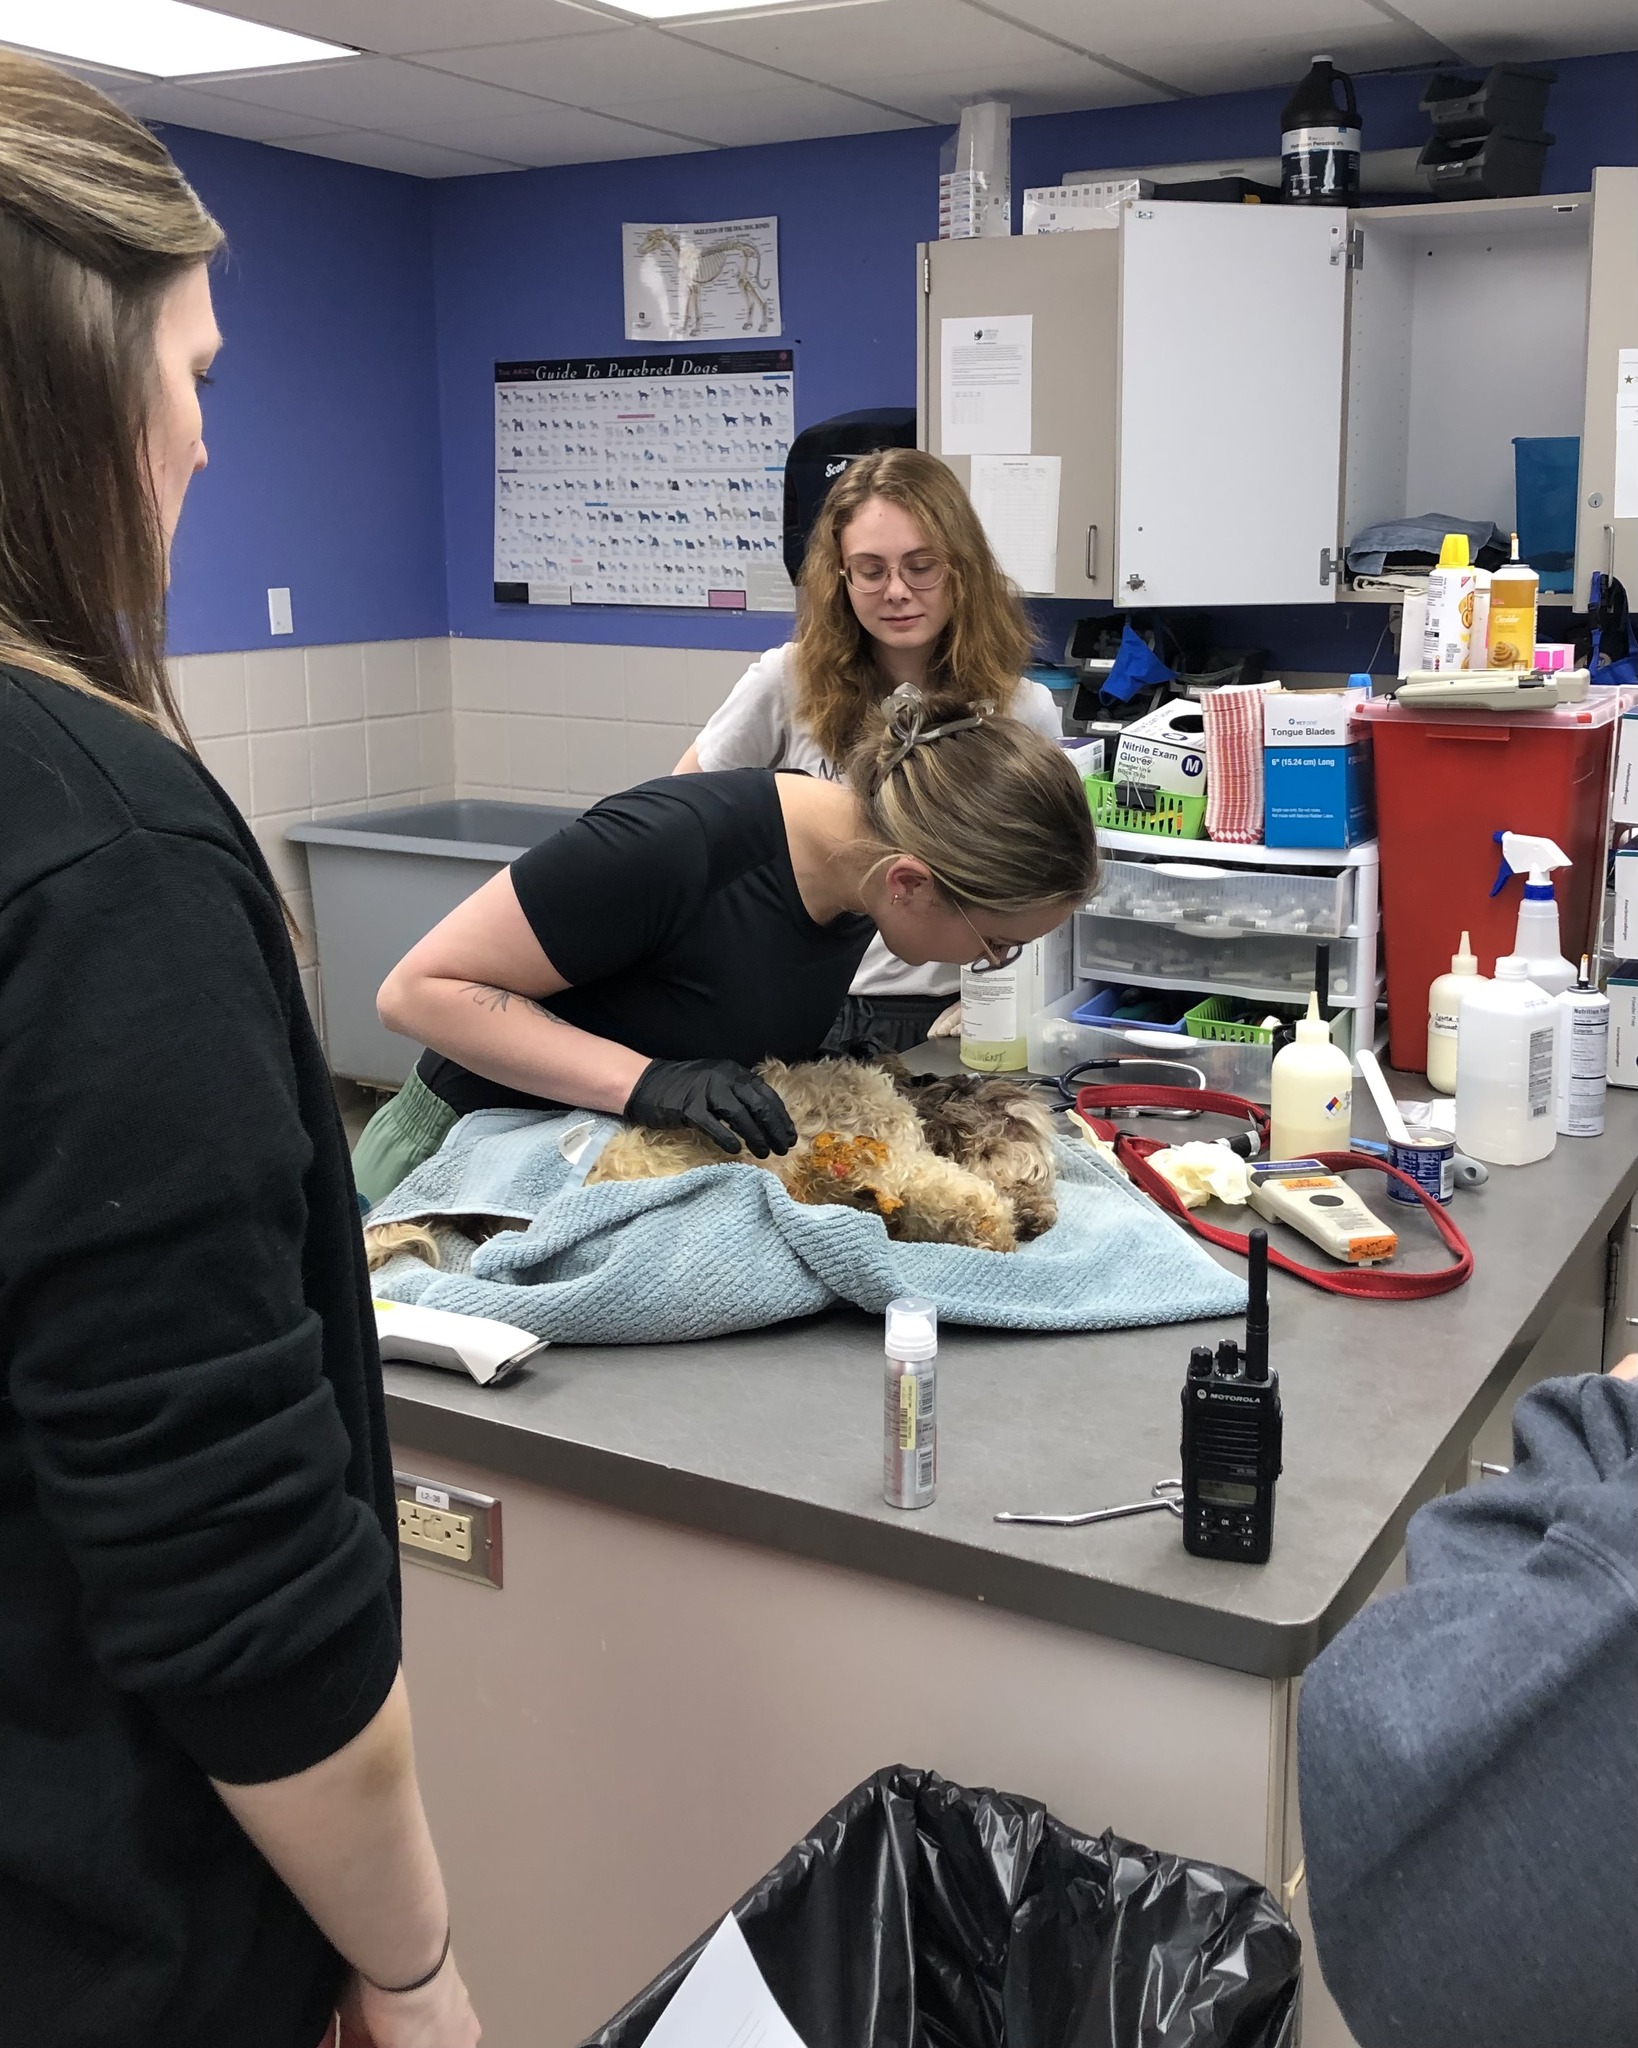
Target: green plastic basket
pixel 1212 1020
pixel 1161 813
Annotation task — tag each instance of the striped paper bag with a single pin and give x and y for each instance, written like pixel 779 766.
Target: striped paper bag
pixel 1234 764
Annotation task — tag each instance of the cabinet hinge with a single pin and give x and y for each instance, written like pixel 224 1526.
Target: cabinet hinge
pixel 926 275
pixel 1348 246
pixel 1330 567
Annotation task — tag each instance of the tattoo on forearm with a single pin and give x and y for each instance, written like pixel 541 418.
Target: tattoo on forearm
pixel 488 997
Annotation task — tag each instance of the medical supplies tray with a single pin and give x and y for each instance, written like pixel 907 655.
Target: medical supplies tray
pixel 1220 902
pixel 1260 966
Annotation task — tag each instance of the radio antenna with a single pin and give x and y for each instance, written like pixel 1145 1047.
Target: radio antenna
pixel 1256 1352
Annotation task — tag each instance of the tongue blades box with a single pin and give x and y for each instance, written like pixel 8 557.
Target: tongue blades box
pixel 1165 749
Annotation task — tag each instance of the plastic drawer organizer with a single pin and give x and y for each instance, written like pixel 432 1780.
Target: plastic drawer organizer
pixel 1225 928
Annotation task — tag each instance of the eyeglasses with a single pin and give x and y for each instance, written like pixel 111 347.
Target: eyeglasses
pixel 869 573
pixel 995 957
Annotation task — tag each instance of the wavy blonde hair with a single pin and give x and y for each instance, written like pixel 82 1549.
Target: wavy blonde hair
pixel 981 652
pixel 991 808
pixel 96 223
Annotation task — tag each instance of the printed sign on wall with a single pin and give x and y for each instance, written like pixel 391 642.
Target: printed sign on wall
pixel 701 280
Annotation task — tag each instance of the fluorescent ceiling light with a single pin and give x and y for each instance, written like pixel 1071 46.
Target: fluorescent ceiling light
pixel 155 38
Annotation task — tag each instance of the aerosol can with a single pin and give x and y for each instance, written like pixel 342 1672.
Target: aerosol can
pixel 910 1449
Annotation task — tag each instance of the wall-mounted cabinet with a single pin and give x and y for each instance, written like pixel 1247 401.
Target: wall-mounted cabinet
pixel 1236 391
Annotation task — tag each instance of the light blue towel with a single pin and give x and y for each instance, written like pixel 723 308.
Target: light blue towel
pixel 725 1248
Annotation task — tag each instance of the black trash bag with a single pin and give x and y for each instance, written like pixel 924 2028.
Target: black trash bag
pixel 919 1914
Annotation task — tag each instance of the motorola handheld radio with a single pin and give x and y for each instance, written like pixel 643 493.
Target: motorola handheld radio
pixel 1231 1436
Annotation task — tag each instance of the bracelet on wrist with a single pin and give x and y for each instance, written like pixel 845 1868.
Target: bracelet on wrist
pixel 420 1984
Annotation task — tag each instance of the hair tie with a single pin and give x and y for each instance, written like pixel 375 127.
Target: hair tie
pixel 928 734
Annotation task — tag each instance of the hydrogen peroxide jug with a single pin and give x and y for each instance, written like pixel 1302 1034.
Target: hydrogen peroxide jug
pixel 1320 140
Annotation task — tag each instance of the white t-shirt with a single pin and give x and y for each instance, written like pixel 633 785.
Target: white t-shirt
pixel 756 726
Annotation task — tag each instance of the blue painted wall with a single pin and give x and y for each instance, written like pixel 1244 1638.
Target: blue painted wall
pixel 527 264
pixel 351 425
pixel 322 425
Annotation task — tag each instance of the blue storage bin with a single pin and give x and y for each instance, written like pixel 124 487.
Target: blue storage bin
pixel 1102 1007
pixel 1546 481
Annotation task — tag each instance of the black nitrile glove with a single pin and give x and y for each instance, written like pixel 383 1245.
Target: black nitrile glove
pixel 720 1098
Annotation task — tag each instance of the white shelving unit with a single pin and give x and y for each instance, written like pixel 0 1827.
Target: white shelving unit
pixel 1058 1042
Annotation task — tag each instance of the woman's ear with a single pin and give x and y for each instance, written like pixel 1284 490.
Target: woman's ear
pixel 909 880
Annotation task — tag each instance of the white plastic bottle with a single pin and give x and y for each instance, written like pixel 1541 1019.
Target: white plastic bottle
pixel 1583 1058
pixel 1451 589
pixel 1444 1006
pixel 1478 639
pixel 992 1020
pixel 910 1444
pixel 1536 940
pixel 1313 1106
pixel 1506 1059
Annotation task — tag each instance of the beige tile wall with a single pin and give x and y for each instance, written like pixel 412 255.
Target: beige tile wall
pixel 555 722
pixel 316 732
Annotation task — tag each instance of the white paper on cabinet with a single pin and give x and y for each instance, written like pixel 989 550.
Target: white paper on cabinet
pixel 1626 435
pixel 1016 499
pixel 984 384
pixel 724 2002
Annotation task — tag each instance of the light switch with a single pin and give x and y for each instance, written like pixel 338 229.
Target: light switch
pixel 278 611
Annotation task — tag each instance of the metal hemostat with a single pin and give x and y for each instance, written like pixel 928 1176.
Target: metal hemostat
pixel 1165 1493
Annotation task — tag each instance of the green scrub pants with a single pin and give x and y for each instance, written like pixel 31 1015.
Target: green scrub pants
pixel 403 1132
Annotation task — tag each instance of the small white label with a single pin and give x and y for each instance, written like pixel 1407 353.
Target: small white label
pixel 432 1497
pixel 989 1007
pixel 1539 1085
pixel 279 618
pixel 1443 1023
pixel 1294 139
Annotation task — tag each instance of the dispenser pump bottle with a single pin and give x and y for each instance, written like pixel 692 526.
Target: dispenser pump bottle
pixel 1452 586
pixel 1313 1106
pixel 1445 1000
pixel 1536 941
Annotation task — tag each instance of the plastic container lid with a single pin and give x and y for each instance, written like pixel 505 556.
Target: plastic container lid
pixel 1453 552
pixel 1510 967
pixel 912 1328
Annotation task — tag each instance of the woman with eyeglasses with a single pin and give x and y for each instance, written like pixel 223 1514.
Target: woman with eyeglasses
pixel 899 586
pixel 644 960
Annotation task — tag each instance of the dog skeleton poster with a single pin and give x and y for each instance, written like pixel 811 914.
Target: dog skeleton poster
pixel 701 280
pixel 654 480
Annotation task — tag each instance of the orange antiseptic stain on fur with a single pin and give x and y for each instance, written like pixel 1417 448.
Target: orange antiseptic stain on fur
pixel 832 1158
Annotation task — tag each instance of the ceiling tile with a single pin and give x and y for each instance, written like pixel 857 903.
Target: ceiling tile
pixel 1226 48
pixel 1490 31
pixel 398 153
pixel 630 63
pixel 786 114
pixel 371 93
pixel 190 108
pixel 565 135
pixel 898 38
pixel 401 27
pixel 1066 84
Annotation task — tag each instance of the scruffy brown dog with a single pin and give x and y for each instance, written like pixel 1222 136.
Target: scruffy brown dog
pixel 960 1160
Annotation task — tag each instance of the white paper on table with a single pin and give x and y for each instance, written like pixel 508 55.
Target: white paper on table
pixel 1016 499
pixel 984 384
pixel 724 2002
pixel 1626 435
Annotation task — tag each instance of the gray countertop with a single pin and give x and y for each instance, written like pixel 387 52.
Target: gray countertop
pixel 774 1437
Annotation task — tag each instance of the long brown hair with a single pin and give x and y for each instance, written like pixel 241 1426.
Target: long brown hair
pixel 979 654
pixel 96 222
pixel 993 809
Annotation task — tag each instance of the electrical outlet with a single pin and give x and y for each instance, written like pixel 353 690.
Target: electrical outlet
pixel 445 1535
pixel 449 1529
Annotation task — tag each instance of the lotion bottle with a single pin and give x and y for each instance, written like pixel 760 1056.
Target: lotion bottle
pixel 1506 1107
pixel 1445 999
pixel 992 1021
pixel 1451 591
pixel 1313 1105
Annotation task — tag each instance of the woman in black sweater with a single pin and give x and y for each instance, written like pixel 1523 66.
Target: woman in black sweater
pixel 210 1831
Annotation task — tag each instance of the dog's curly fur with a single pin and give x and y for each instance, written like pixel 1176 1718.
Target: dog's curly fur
pixel 959 1160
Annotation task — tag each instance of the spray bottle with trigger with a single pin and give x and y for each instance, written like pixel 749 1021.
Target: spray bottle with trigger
pixel 1536 941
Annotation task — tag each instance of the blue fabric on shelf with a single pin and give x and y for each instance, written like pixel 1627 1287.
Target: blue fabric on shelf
pixel 725 1248
pixel 1137 667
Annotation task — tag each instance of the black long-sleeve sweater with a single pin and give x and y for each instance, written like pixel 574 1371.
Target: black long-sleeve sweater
pixel 197 1567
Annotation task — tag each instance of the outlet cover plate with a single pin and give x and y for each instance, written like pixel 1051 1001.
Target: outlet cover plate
pixel 448 1529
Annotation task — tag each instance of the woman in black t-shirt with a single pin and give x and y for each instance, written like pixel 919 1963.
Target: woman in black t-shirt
pixel 644 959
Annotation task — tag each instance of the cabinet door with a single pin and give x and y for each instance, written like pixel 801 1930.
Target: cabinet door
pixel 1068 284
pixel 1231 377
pixel 1601 540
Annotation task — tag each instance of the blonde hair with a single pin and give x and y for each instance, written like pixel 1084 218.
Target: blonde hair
pixel 980 653
pixel 993 810
pixel 96 222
